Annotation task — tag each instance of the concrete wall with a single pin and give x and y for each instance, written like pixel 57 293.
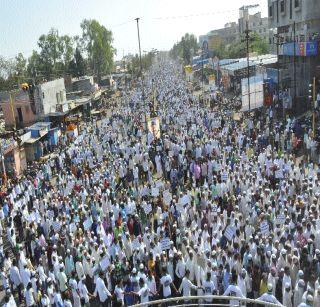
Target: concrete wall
pixel 85 84
pixel 48 95
pixel 21 101
pixel 307 10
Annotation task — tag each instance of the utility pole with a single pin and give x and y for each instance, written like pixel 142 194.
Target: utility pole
pixel 247 32
pixel 141 74
pixel 314 108
pixel 294 65
pixel 312 99
pixel 278 71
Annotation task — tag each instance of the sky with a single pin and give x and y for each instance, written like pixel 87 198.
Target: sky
pixel 162 22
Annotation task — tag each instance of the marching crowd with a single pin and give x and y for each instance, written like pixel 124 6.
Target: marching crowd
pixel 121 216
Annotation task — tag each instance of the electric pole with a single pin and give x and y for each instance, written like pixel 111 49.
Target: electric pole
pixel 141 74
pixel 247 32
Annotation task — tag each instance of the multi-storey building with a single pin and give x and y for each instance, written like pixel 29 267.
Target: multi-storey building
pixel 296 28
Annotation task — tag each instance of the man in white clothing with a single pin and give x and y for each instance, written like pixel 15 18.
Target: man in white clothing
pixel 233 291
pixel 102 290
pixel 186 285
pixel 269 297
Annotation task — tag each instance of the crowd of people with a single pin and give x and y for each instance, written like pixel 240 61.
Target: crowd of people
pixel 122 216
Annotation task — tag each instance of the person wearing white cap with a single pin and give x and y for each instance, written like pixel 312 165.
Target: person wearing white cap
pixel 141 273
pixel 308 303
pixel 287 295
pixel 298 292
pixel 74 290
pixel 84 293
pixel 268 297
pixel 242 282
pixel 180 269
pixel 134 279
pixel 62 280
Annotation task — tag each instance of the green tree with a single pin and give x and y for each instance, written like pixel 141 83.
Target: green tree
pixel 77 65
pixel 98 41
pixel 238 49
pixel 184 48
pixel 21 65
pixel 55 53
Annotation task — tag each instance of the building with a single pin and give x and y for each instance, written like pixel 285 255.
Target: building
pixel 50 97
pixel 21 112
pixel 233 31
pixel 85 84
pixel 256 23
pixel 215 38
pixel 296 27
pixel 14 157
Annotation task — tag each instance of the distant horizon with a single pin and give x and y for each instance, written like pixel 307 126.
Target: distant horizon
pixel 161 23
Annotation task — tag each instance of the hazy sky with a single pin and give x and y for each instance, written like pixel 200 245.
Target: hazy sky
pixel 162 23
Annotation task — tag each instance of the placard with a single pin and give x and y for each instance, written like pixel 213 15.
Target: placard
pixel 155 192
pixel 135 244
pixel 167 197
pixel 229 233
pixel 104 263
pixel 280 219
pixel 87 224
pixel 147 208
pixel 264 228
pixel 185 199
pixel 224 176
pixel 165 244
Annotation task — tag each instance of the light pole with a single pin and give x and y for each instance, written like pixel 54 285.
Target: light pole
pixel 247 32
pixel 141 74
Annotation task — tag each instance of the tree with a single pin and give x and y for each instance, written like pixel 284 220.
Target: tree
pixel 238 49
pixel 55 53
pixel 98 42
pixel 78 64
pixel 21 65
pixel 184 48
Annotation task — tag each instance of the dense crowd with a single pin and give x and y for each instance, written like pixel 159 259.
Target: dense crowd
pixel 214 206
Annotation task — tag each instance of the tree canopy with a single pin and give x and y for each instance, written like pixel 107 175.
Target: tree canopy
pixel 238 49
pixel 185 48
pixel 98 43
pixel 58 55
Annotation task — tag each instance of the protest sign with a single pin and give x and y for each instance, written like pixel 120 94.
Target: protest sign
pixel 229 233
pixel 185 199
pixel 165 244
pixel 87 224
pixel 104 263
pixel 264 228
pixel 147 208
pixel 167 197
pixel 155 192
pixel 280 219
pixel 135 244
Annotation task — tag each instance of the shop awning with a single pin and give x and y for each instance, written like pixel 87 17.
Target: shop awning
pixel 32 140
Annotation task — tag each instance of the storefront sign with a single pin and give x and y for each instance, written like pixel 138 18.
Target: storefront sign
pixel 7 145
pixel 301 49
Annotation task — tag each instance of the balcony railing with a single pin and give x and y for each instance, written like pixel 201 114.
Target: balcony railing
pixel 202 301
